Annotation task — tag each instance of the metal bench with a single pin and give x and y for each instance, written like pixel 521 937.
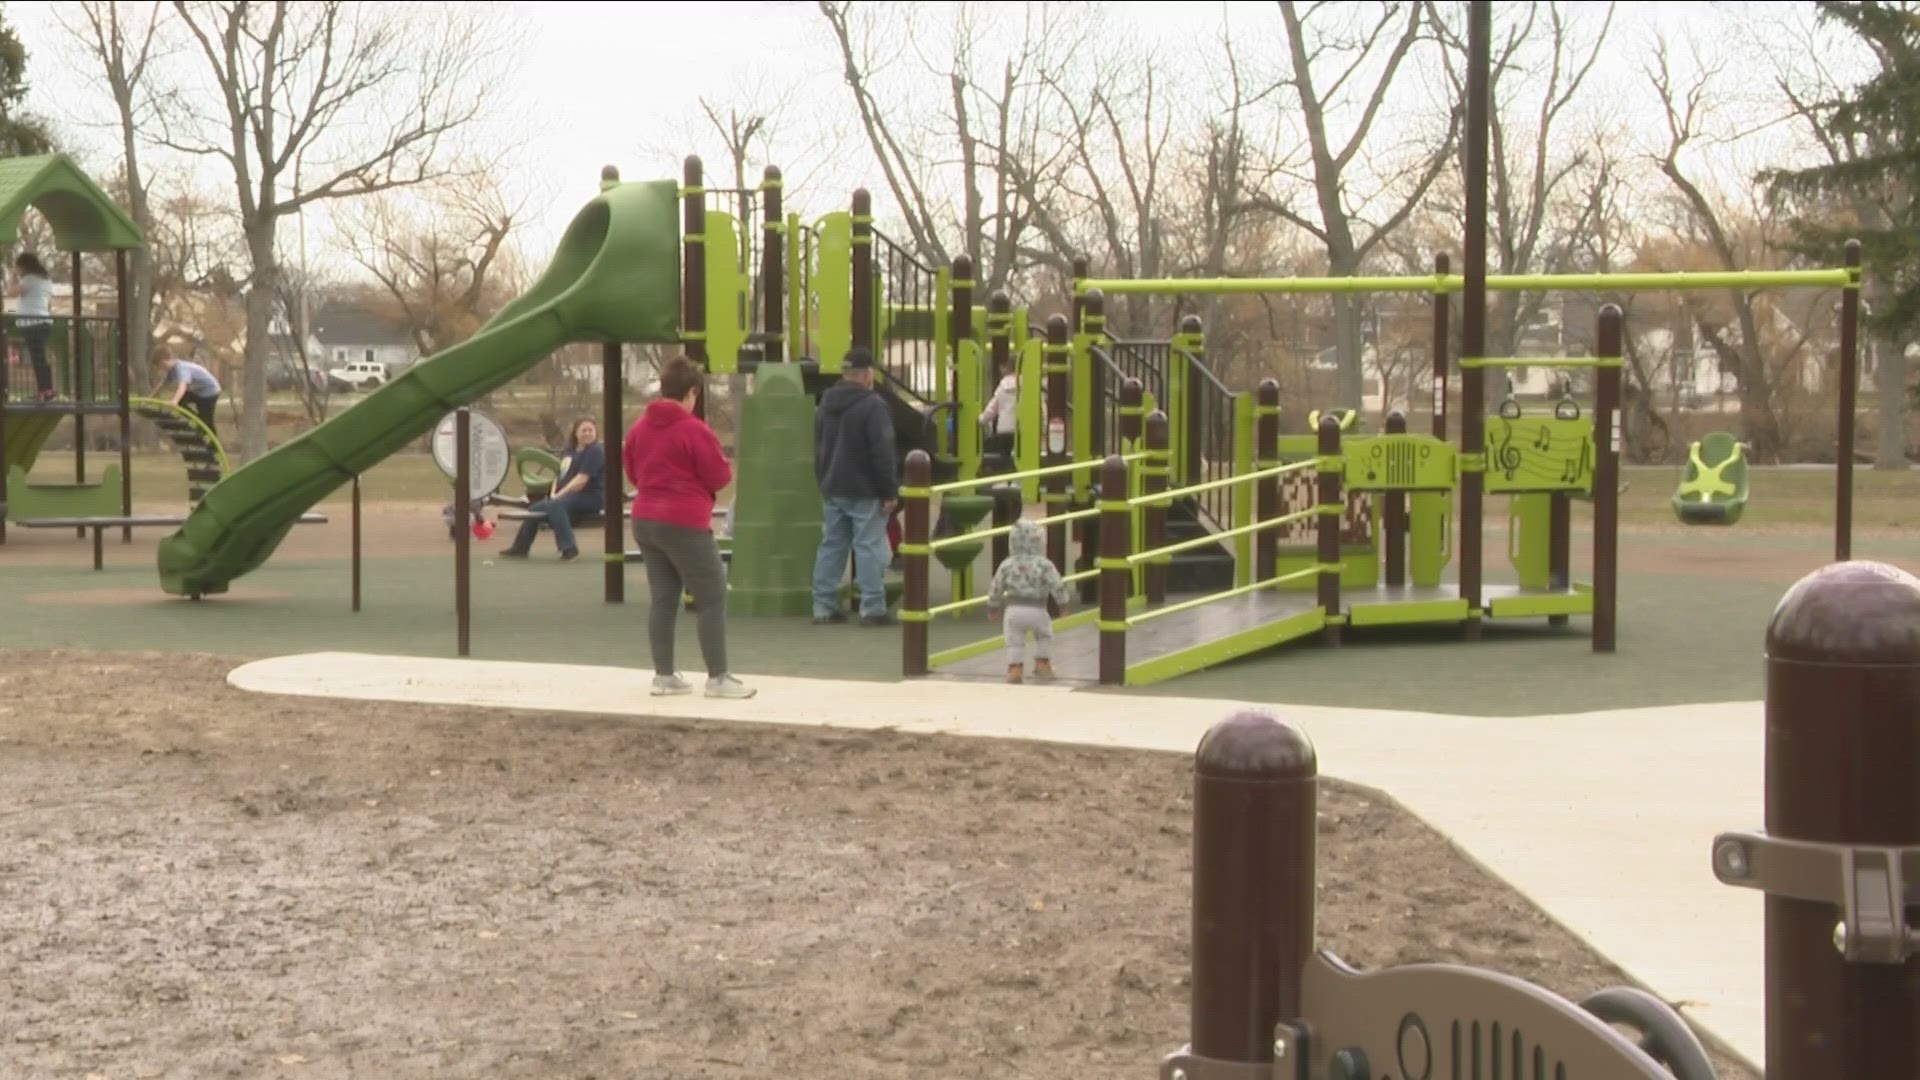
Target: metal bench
pixel 100 525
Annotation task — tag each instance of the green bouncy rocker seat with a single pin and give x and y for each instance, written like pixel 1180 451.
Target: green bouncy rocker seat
pixel 1713 491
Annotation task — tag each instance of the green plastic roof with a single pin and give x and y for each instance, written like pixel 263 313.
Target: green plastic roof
pixel 82 216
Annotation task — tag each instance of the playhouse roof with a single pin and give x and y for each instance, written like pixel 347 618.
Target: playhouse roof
pixel 82 216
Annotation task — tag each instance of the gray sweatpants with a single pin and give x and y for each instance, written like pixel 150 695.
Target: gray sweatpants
pixel 683 561
pixel 1019 620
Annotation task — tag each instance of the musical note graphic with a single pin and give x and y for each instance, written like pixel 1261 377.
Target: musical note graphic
pixel 1505 456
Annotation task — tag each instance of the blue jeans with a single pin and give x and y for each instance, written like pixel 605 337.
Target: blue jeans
pixel 858 526
pixel 559 516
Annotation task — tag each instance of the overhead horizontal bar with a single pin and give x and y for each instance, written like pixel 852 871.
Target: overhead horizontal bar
pixel 1452 283
pixel 1468 362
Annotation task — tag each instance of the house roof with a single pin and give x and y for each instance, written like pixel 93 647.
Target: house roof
pixel 341 323
pixel 82 216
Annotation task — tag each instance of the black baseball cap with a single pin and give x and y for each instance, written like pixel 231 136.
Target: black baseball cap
pixel 857 359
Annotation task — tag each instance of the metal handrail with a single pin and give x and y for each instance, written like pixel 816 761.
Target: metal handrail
pixel 1175 548
pixel 1002 478
pixel 977 601
pixel 1004 530
pixel 1158 497
pixel 1225 594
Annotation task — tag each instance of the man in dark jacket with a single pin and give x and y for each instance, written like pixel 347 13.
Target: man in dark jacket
pixel 853 461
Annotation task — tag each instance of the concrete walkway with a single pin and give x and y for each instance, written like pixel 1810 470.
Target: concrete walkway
pixel 1604 820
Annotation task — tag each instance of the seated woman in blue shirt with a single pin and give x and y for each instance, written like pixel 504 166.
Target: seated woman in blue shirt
pixel 580 491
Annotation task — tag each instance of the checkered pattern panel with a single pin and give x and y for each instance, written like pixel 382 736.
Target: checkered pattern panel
pixel 1299 490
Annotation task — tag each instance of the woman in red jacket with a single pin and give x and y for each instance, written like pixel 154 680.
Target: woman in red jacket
pixel 677 468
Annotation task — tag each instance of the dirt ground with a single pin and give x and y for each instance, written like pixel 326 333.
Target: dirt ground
pixel 201 883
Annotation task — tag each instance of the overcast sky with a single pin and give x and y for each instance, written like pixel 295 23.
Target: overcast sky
pixel 618 83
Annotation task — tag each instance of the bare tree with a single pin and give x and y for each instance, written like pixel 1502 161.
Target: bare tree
pixel 121 39
pixel 445 262
pixel 1528 167
pixel 994 120
pixel 354 98
pixel 1736 338
pixel 1322 64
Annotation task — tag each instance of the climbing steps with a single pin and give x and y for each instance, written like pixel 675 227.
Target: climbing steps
pixel 198 446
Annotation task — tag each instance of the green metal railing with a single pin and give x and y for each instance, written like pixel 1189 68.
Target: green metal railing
pixel 1839 278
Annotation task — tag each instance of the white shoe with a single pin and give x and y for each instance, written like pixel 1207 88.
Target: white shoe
pixel 670 686
pixel 726 686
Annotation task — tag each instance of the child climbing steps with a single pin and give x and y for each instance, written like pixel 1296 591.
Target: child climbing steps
pixel 1022 585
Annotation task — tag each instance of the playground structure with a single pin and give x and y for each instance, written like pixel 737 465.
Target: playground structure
pixel 89 359
pixel 1365 522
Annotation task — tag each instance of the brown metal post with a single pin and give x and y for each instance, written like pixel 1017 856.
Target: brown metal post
pixel 1059 442
pixel 1393 517
pixel 693 268
pixel 913 544
pixel 1849 393
pixel 1133 419
pixel 999 335
pixel 74 382
pixel 1255 803
pixel 1441 308
pixel 1606 481
pixel 5 398
pixel 1194 452
pixel 1116 543
pixel 1266 455
pixel 123 304
pixel 1154 478
pixel 960 327
pixel 1327 532
pixel 613 384
pixel 773 268
pixel 863 270
pixel 354 518
pixel 1473 314
pixel 462 523
pixel 1843 768
pixel 1007 508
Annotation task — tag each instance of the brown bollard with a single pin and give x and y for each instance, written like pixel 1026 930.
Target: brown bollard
pixel 1843 758
pixel 1255 789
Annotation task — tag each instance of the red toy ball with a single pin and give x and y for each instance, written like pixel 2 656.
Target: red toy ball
pixel 482 528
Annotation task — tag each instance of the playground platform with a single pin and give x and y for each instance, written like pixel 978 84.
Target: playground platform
pixel 1189 640
pixel 1611 841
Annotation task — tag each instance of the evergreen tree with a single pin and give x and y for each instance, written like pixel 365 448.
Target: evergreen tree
pixel 1870 187
pixel 20 134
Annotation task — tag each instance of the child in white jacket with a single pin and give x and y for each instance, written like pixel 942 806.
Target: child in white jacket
pixel 1022 585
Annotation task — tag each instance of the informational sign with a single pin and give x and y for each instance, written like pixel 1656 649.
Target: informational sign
pixel 490 456
pixel 1439 395
pixel 1056 436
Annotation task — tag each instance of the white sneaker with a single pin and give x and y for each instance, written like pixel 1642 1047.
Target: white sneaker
pixel 726 686
pixel 670 686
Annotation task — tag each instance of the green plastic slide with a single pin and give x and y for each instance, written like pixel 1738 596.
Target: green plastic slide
pixel 615 278
pixel 1713 491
